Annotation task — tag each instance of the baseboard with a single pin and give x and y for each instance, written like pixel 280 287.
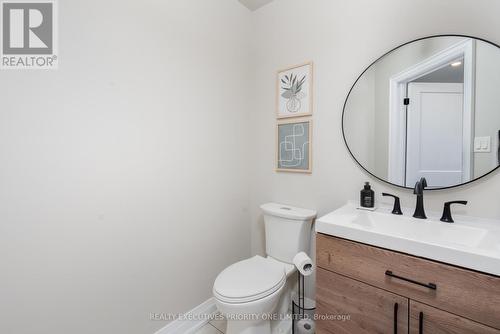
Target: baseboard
pixel 181 326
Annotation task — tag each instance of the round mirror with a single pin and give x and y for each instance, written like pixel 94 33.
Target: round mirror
pixel 429 108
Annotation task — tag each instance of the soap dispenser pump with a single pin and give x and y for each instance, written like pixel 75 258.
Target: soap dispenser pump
pixel 367 198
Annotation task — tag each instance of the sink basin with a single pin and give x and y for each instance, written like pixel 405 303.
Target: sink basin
pixel 470 242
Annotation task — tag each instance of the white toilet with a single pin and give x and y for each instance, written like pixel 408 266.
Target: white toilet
pixel 252 292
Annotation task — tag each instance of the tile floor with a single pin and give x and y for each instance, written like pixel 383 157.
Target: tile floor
pixel 219 327
pixel 213 327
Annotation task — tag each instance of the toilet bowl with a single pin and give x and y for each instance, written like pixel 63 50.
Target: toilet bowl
pixel 247 293
pixel 252 292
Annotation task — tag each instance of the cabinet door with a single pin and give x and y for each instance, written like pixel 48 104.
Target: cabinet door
pixel 346 306
pixel 425 319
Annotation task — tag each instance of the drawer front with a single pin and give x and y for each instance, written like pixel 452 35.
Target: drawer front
pixel 429 320
pixel 346 306
pixel 472 295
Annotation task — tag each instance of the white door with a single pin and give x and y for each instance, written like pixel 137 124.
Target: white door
pixel 434 137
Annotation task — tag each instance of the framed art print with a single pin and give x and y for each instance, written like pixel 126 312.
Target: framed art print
pixel 293 141
pixel 295 91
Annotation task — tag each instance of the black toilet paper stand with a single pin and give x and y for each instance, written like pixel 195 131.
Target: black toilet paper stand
pixel 301 294
pixel 299 310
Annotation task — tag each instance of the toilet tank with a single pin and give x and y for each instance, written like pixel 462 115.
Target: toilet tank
pixel 288 230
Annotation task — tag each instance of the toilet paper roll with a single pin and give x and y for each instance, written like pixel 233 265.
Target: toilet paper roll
pixel 303 263
pixel 305 326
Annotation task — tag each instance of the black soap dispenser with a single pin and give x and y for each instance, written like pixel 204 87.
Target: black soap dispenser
pixel 367 198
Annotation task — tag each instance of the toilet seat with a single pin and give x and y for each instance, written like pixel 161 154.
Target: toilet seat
pixel 249 280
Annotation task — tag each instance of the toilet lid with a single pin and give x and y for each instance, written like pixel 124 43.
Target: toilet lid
pixel 249 280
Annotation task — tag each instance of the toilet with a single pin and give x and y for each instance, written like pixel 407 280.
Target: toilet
pixel 252 292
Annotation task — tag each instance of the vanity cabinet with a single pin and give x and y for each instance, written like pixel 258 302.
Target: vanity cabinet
pixel 427 319
pixel 366 282
pixel 358 307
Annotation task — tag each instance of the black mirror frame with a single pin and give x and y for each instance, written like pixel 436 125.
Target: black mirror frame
pixel 366 69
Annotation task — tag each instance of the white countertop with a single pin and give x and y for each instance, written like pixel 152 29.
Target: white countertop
pixel 470 242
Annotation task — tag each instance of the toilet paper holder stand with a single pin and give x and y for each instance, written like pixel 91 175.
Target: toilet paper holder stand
pixel 299 309
pixel 301 295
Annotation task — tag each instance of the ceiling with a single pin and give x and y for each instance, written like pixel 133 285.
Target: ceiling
pixel 254 4
pixel 447 74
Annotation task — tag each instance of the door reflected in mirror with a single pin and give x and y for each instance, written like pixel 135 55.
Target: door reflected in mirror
pixel 430 108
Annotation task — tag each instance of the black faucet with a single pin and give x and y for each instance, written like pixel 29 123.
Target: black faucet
pixel 419 191
pixel 446 217
pixel 396 210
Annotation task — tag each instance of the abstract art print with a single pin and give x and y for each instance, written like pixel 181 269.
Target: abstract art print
pixel 294 146
pixel 294 91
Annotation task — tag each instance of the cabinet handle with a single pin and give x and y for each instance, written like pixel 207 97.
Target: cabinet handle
pixel 396 318
pixel 431 286
pixel 421 323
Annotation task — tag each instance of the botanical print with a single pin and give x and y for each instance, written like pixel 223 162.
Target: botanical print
pixel 294 91
pixel 294 146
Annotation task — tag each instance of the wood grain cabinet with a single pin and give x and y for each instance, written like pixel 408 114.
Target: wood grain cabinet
pixel 348 306
pixel 427 319
pixel 365 289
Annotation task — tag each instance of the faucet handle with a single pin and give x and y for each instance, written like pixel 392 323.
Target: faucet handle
pixel 446 217
pixel 396 210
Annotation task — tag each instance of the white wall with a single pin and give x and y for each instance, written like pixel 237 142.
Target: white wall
pixel 123 173
pixel 487 113
pixel 342 38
